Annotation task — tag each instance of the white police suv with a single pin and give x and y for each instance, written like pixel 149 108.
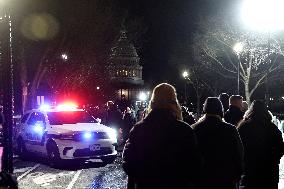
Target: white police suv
pixel 65 132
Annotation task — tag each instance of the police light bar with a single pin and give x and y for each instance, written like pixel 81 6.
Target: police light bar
pixel 67 107
pixel 45 107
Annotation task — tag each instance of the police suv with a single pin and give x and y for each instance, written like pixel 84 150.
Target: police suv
pixel 65 132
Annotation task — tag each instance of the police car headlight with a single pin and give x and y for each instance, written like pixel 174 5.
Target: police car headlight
pixel 38 128
pixel 87 135
pixel 112 134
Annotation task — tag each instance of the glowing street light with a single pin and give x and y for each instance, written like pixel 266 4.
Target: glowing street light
pixel 238 48
pixel 142 96
pixel 185 74
pixel 263 15
pixel 64 56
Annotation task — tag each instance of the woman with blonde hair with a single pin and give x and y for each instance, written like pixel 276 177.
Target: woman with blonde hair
pixel 161 144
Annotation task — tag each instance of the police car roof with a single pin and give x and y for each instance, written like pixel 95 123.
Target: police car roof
pixel 54 110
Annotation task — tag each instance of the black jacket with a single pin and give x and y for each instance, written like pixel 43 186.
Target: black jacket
pixel 222 153
pixel 263 145
pixel 161 152
pixel 233 115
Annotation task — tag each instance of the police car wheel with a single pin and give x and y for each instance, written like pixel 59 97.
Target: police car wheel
pixel 53 155
pixel 22 151
pixel 108 160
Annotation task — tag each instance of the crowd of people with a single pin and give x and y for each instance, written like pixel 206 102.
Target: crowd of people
pixel 232 146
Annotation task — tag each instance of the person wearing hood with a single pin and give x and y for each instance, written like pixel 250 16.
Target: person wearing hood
pixel 221 148
pixel 162 150
pixel 235 114
pixel 263 146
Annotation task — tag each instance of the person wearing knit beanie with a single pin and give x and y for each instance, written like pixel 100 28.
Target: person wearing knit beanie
pixel 220 146
pixel 213 106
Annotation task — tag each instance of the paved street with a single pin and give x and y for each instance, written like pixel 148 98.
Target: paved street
pixel 91 175
pixel 37 174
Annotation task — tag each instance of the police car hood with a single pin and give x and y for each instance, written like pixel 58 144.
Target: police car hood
pixel 65 128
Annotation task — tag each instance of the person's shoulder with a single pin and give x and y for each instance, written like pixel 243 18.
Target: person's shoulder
pixel 198 124
pixel 274 128
pixel 182 126
pixel 228 126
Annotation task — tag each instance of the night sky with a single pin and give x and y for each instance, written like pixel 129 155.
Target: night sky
pixel 167 23
pixel 94 25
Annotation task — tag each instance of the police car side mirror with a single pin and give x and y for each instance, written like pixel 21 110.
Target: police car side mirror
pixel 98 120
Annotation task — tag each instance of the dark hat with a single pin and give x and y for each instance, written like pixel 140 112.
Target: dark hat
pixel 214 106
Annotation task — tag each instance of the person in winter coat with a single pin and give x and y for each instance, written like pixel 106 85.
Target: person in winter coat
pixel 128 122
pixel 114 117
pixel 221 148
pixel 264 147
pixel 162 151
pixel 234 114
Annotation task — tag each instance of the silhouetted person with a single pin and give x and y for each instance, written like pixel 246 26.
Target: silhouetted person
pixel 128 122
pixel 114 117
pixel 224 98
pixel 162 152
pixel 263 145
pixel 234 114
pixel 220 147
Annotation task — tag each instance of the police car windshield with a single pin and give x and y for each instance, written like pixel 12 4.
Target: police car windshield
pixel 69 117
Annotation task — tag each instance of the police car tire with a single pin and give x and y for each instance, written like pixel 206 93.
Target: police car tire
pixel 53 155
pixel 109 160
pixel 22 151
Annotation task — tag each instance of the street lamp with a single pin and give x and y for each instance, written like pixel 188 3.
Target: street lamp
pixel 238 48
pixel 185 75
pixel 64 56
pixel 265 16
pixel 142 96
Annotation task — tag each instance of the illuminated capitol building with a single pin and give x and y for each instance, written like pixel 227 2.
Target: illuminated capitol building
pixel 125 71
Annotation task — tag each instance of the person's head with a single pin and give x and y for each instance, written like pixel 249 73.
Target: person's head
pixel 224 98
pixel 259 111
pixel 213 106
pixel 237 101
pixel 164 97
pixel 244 106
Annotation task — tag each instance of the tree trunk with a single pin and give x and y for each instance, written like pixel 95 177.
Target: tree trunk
pixel 247 93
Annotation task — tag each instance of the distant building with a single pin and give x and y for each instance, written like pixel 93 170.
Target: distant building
pixel 125 71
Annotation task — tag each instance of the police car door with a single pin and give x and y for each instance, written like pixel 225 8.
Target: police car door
pixel 35 132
